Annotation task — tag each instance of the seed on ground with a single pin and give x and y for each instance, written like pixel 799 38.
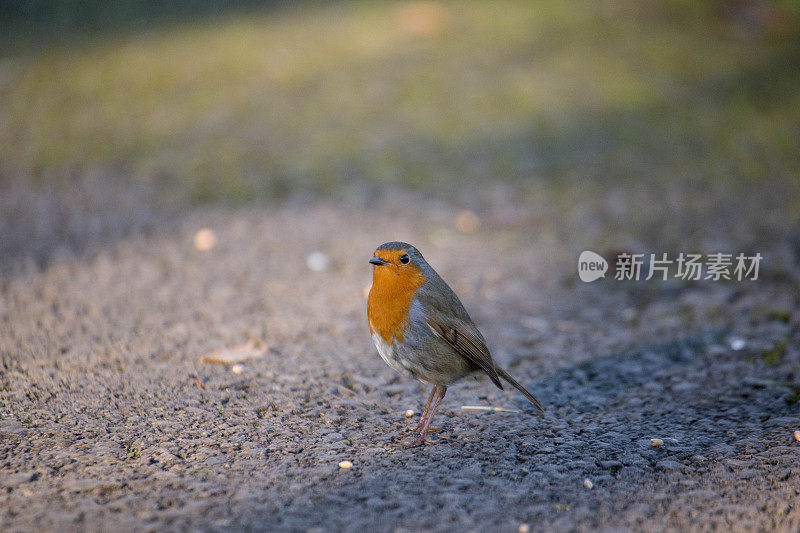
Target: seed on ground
pixel 656 442
pixel 409 413
pixel 797 434
pixel 588 483
pixel 345 464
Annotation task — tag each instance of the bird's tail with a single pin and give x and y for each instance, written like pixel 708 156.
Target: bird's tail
pixel 503 374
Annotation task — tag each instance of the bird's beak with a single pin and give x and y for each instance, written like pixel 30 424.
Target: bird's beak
pixel 377 261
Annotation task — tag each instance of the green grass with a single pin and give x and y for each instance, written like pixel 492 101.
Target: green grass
pixel 794 397
pixel 260 104
pixel 773 356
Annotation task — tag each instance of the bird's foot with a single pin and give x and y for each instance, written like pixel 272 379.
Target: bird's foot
pixel 411 439
pixel 416 430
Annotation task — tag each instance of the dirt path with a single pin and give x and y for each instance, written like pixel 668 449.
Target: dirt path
pixel 108 419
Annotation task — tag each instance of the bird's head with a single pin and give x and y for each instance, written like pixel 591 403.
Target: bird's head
pixel 399 270
pixel 398 266
pixel 398 258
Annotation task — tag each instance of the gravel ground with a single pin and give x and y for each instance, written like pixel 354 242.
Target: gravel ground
pixel 109 419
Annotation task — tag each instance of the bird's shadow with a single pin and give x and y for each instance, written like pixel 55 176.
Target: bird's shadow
pixel 602 414
pixel 687 389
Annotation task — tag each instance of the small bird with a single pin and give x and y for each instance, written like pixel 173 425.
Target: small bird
pixel 422 330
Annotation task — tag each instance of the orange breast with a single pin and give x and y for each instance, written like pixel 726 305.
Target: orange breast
pixel 390 300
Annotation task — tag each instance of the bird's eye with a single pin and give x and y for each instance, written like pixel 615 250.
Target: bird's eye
pixel 405 259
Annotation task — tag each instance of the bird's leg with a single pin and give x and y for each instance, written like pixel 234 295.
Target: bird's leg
pixel 427 406
pixel 422 418
pixel 440 390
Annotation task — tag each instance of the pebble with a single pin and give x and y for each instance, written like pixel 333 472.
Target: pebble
pixel 737 343
pixel 588 483
pixel 467 222
pixel 410 413
pixel 524 528
pixel 237 369
pixel 656 442
pixel 345 464
pixel 797 434
pixel 204 240
pixel 318 261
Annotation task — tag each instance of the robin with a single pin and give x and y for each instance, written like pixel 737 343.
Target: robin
pixel 422 330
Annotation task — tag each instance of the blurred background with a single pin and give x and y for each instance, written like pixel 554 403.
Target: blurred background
pixel 678 118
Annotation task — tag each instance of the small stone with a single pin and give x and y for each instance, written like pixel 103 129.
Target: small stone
pixel 467 222
pixel 318 261
pixel 204 240
pixel 345 464
pixel 737 343
pixel 524 528
pixel 588 483
pixel 656 442
pixel 237 369
pixel 410 413
pixel 797 434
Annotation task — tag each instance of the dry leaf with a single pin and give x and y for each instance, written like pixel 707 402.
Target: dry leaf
pixel 232 356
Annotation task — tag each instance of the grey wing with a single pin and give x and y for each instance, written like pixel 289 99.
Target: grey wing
pixel 466 343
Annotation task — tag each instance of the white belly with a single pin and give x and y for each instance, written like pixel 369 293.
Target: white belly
pixel 387 353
